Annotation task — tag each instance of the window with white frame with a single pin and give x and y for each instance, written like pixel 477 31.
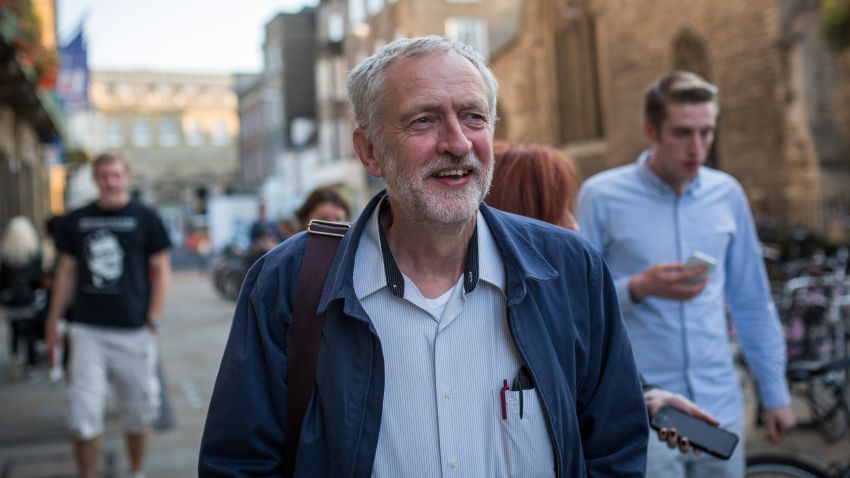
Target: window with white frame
pixel 169 133
pixel 142 132
pixel 356 12
pixel 194 133
pixel 336 27
pixel 274 61
pixel 114 133
pixel 220 136
pixel 470 31
pixel 375 6
pixel 324 78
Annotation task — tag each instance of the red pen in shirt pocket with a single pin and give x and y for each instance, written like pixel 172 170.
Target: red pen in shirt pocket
pixel 504 401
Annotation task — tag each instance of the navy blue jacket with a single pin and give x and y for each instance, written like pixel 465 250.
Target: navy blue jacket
pixel 563 315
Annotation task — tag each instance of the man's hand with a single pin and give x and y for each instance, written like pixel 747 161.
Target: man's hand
pixel 52 335
pixel 655 398
pixel 154 324
pixel 667 280
pixel 778 421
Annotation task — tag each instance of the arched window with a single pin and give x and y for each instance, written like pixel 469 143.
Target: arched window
pixel 690 53
pixel 576 60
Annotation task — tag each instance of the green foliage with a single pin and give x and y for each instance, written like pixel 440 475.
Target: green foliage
pixel 20 26
pixel 835 22
pixel 75 158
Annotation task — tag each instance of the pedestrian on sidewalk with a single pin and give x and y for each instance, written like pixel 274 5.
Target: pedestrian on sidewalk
pixel 458 340
pixel 114 268
pixel 21 291
pixel 648 218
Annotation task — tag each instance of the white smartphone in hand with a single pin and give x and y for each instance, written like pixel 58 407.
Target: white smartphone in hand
pixel 700 260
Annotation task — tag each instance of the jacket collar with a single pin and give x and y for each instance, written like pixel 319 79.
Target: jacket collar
pixel 521 258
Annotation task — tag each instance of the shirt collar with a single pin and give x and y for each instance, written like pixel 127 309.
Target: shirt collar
pixel 657 184
pixel 483 260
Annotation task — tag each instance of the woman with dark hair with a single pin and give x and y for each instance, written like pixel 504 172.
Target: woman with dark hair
pixel 541 182
pixel 324 204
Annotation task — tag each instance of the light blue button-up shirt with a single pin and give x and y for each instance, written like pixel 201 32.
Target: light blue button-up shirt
pixel 637 221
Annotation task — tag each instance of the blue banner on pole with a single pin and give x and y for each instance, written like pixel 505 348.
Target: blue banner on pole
pixel 73 85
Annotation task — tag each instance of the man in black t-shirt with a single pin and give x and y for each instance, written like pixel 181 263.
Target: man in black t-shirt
pixel 114 267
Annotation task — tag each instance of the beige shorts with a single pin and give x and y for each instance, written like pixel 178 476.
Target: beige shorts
pixel 127 359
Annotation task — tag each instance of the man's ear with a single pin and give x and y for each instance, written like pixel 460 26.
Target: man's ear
pixel 366 153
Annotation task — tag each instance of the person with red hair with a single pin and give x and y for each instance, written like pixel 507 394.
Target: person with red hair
pixel 535 181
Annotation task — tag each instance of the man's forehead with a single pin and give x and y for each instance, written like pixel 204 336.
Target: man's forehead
pixel 423 66
pixel 420 80
pixel 689 113
pixel 111 168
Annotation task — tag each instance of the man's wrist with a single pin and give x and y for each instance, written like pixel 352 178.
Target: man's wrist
pixel 635 294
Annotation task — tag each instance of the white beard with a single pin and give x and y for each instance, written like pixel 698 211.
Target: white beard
pixel 445 207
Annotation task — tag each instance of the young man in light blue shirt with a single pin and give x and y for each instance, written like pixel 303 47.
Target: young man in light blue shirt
pixel 648 218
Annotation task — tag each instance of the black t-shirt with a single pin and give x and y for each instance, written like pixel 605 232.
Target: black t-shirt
pixel 112 251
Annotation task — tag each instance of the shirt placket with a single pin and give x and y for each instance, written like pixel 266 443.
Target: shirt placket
pixel 445 387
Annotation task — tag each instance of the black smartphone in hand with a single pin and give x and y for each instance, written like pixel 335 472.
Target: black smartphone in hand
pixel 702 436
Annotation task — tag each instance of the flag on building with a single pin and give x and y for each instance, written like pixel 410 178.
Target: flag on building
pixel 73 85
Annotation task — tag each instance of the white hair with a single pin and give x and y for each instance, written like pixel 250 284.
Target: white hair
pixel 20 242
pixel 366 80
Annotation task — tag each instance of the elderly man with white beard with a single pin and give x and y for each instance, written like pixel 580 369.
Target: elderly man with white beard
pixel 458 340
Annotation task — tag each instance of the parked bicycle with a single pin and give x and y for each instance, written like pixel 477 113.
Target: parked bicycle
pixel 777 466
pixel 825 387
pixel 228 271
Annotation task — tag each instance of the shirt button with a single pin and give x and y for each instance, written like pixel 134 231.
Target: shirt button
pixel 447 393
pixel 453 463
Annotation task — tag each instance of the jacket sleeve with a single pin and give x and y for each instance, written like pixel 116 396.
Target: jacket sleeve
pixel 244 431
pixel 611 408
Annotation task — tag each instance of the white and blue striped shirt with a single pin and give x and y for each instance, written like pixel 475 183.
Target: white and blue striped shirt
pixel 442 407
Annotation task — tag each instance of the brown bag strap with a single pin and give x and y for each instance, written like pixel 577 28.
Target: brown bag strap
pixel 322 242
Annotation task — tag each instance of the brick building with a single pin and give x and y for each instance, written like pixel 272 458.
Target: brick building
pixel 575 73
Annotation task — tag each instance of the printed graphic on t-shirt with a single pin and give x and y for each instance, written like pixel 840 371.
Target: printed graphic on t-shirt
pixel 104 257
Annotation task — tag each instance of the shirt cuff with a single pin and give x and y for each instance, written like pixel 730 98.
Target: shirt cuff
pixel 775 395
pixel 623 296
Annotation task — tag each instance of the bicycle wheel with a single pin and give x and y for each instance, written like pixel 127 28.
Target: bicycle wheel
pixel 770 466
pixel 824 400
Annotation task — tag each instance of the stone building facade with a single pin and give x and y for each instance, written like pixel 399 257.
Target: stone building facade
pixel 178 130
pixel 575 74
pixel 29 116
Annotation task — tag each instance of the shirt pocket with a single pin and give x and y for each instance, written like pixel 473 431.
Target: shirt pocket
pixel 523 443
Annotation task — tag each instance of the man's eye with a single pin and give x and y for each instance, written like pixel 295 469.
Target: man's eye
pixel 422 122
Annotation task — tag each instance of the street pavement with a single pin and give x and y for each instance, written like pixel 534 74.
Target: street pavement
pixel 33 442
